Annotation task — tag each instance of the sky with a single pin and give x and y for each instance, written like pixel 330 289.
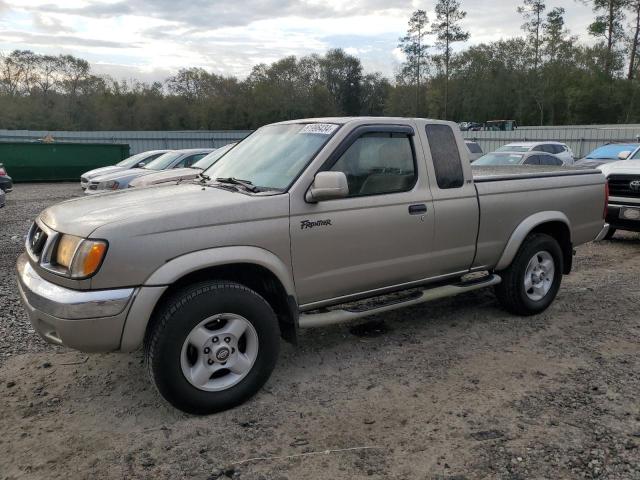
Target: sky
pixel 150 40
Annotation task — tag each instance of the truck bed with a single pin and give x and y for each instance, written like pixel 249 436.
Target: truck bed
pixel 514 172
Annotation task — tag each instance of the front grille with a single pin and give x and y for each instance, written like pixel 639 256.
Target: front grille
pixel 36 240
pixel 624 186
pixel 83 180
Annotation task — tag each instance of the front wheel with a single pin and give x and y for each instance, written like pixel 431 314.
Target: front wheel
pixel 212 346
pixel 531 283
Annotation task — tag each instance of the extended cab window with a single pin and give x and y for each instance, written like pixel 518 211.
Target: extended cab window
pixel 445 155
pixel 378 163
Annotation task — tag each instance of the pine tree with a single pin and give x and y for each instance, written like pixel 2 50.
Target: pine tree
pixel 448 31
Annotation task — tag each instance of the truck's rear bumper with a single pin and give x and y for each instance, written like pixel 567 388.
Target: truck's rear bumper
pixel 90 321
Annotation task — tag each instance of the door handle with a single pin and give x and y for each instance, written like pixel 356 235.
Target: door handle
pixel 419 209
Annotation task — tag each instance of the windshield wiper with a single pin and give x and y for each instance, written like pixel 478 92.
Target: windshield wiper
pixel 237 181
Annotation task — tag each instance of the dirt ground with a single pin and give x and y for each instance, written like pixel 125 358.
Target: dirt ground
pixel 456 389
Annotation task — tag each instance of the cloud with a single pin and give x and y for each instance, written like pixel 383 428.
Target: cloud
pixel 219 14
pixel 158 37
pixel 28 38
pixel 49 24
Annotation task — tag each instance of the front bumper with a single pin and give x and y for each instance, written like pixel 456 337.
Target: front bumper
pixel 90 321
pixel 614 219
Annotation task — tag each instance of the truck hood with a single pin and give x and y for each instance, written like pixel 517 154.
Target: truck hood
pixel 155 209
pixel 623 166
pixel 165 176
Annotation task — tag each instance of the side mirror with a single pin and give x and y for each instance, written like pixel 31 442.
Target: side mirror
pixel 624 155
pixel 141 164
pixel 328 186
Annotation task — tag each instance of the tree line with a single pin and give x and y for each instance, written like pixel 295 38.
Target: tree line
pixel 545 76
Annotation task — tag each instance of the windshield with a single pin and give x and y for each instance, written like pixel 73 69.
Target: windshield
pixel 273 156
pixel 513 148
pixel 499 159
pixel 163 161
pixel 636 156
pixel 610 152
pixel 133 160
pixel 212 158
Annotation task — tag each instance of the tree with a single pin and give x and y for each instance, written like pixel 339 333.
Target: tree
pixel 416 50
pixel 448 31
pixel 608 25
pixel 342 75
pixel 634 40
pixel 533 13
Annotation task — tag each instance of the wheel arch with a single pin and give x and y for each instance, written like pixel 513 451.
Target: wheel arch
pixel 554 224
pixel 253 267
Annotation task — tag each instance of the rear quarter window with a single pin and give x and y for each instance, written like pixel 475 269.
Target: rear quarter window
pixel 446 156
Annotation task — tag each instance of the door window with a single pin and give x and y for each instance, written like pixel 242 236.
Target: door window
pixel 190 160
pixel 549 160
pixel 378 163
pixel 532 160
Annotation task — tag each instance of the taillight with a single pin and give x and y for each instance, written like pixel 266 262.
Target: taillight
pixel 3 172
pixel 606 199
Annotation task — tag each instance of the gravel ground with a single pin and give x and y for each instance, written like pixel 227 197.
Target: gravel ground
pixel 455 389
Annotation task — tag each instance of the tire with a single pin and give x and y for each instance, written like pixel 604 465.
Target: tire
pixel 187 326
pixel 610 233
pixel 513 292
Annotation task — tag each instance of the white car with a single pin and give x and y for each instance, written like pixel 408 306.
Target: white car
pixel 560 150
pixel 138 160
pixel 623 178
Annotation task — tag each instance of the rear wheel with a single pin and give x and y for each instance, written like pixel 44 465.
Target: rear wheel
pixel 532 281
pixel 212 347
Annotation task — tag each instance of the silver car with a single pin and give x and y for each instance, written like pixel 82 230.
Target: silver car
pixel 560 150
pixel 518 158
pixel 138 160
pixel 175 174
pixel 173 159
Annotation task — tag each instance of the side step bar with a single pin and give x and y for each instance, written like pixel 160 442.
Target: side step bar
pixel 341 315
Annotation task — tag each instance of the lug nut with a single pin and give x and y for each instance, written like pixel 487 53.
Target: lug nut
pixel 207 350
pixel 215 339
pixel 210 362
pixel 227 339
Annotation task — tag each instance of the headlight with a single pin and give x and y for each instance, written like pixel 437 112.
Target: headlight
pixel 110 185
pixel 79 257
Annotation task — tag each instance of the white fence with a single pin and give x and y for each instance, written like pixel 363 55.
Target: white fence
pixel 138 141
pixel 581 138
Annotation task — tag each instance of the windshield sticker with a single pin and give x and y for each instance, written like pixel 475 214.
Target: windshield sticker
pixel 319 128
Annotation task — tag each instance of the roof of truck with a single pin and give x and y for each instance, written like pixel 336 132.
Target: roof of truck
pixel 374 120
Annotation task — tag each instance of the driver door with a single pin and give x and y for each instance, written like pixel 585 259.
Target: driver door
pixel 380 235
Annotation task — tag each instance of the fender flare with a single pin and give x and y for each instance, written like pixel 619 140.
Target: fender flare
pixel 154 287
pixel 523 229
pixel 178 267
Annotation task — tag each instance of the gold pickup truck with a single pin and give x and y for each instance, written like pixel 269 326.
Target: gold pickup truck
pixel 303 224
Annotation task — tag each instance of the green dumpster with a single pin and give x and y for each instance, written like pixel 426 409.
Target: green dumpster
pixel 55 162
